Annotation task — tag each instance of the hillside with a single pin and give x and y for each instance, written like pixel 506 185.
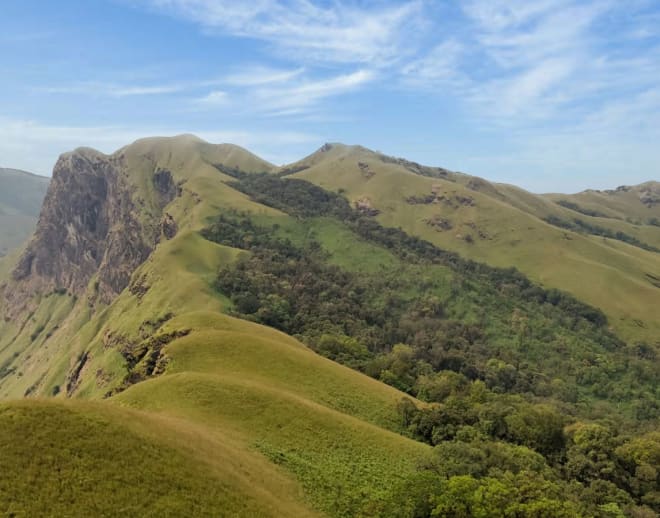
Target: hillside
pixel 279 390
pixel 637 204
pixel 294 353
pixel 505 226
pixel 21 195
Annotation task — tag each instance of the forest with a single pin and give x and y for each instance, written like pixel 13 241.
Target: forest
pixel 533 406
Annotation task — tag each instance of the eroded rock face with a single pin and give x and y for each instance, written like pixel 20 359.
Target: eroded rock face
pixel 88 226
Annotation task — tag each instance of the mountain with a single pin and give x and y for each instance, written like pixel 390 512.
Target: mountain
pixel 21 195
pixel 208 334
pixel 636 204
pixel 611 263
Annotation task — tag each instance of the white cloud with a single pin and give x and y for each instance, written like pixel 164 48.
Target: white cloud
pixel 529 32
pixel 618 140
pixel 336 32
pixel 283 93
pixel 440 65
pixel 296 97
pixel 97 89
pixel 519 62
pixel 535 92
pixel 215 98
pixel 255 76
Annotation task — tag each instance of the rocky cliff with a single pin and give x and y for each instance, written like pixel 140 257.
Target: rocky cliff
pixel 94 225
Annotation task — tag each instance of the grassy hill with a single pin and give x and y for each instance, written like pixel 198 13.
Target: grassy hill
pixel 21 195
pixel 165 402
pixel 506 226
pixel 258 398
pixel 637 204
pixel 83 459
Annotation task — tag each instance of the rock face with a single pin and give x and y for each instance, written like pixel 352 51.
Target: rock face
pixel 89 226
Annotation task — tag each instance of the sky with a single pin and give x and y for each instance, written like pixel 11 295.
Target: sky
pixel 550 95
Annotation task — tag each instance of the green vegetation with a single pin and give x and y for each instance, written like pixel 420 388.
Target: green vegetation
pixel 579 225
pixel 503 226
pixel 467 389
pixel 576 208
pixel 95 460
pixel 507 364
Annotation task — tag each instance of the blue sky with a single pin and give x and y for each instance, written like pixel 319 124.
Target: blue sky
pixel 551 95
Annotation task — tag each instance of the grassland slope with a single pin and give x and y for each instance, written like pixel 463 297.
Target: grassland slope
pixel 503 226
pixel 258 423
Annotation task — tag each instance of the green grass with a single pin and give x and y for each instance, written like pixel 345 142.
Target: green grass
pixel 81 459
pixel 603 272
pixel 343 463
pixel 321 421
pixel 247 421
pixel 620 204
pixel 237 399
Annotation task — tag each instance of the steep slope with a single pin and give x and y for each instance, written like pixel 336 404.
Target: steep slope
pixel 252 394
pixel 134 307
pixel 81 459
pixel 21 195
pixel 503 226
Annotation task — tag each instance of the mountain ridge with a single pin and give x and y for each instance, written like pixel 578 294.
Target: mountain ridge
pixel 193 338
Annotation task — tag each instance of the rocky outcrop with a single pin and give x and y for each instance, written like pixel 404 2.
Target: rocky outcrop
pixel 650 195
pixel 90 227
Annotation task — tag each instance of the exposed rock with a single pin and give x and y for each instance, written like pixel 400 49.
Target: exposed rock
pixel 650 197
pixel 90 225
pixel 74 377
pixel 439 223
pixel 366 170
pixel 139 287
pixel 364 206
pixel 168 226
pixel 146 359
pixel 453 200
pixel 422 200
pixel 465 201
pixel 164 186
pixel 481 233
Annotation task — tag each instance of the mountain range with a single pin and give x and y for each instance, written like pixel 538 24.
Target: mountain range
pixel 21 195
pixel 192 330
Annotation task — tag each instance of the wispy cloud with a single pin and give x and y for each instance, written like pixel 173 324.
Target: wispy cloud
pixel 339 31
pixel 282 93
pixel 441 65
pixel 253 89
pixel 533 51
pixel 214 98
pixel 97 89
pixel 259 75
pixel 515 61
pixel 299 96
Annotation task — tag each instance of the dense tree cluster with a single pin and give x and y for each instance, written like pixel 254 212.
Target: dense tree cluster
pixel 579 225
pixel 582 210
pixel 534 407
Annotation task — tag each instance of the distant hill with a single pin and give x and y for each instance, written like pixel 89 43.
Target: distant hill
pixel 635 204
pixel 21 196
pixel 207 334
pixel 611 263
